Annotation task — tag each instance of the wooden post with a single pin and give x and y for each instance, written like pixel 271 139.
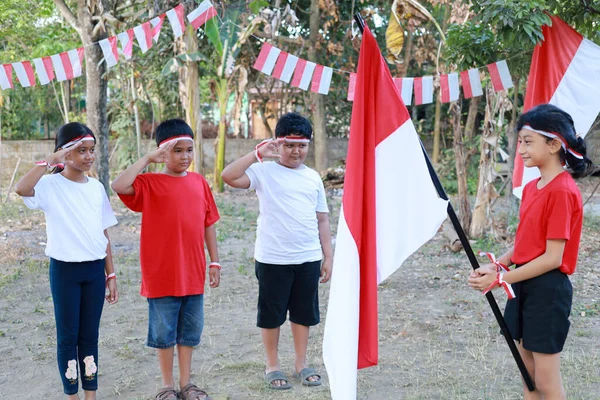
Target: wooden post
pixel 12 180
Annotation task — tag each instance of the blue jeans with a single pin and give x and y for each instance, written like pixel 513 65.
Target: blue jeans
pixel 78 291
pixel 175 320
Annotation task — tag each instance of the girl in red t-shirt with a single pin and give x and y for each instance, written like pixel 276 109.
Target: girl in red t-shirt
pixel 546 246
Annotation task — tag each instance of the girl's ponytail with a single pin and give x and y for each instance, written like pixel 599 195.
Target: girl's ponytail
pixel 579 167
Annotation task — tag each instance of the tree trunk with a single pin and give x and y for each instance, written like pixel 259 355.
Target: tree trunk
pixel 136 116
pixel 471 117
pixel 220 142
pixel 317 103
pixel 436 130
pixel 407 51
pixel 464 206
pixel 512 136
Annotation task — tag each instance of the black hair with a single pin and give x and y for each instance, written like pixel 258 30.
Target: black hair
pixel 171 128
pixel 67 133
pixel 293 124
pixel 549 118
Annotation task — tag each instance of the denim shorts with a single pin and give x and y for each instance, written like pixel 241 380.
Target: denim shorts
pixel 175 320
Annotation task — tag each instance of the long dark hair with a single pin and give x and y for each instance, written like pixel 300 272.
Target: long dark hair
pixel 549 118
pixel 67 133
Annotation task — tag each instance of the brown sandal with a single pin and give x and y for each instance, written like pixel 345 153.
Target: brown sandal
pixel 167 393
pixel 193 392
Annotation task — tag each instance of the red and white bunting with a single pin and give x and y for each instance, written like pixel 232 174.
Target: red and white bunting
pixel 449 87
pixel 321 80
pixel 144 33
pixel 126 40
pixel 6 77
pixel 203 13
pixel 175 16
pixel 471 83
pixel 285 66
pixel 423 90
pixel 157 24
pixel 405 87
pixel 109 49
pixel 303 75
pixel 265 62
pixel 351 86
pixel 24 73
pixel 43 67
pixel 68 64
pixel 500 75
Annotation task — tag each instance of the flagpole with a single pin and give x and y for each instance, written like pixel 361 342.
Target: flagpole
pixel 470 254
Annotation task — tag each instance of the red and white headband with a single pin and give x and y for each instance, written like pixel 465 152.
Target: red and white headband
pixel 294 139
pixel 554 135
pixel 77 140
pixel 174 139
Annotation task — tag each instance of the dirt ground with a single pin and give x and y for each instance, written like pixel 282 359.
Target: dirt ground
pixel 438 338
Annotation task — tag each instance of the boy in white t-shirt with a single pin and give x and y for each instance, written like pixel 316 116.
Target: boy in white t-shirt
pixel 293 241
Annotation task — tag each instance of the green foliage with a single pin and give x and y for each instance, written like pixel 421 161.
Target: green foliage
pixel 471 45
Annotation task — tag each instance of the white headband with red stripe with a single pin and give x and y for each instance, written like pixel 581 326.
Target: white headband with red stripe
pixel 558 137
pixel 77 140
pixel 174 139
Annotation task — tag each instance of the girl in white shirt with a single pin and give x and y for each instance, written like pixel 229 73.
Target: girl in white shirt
pixel 78 214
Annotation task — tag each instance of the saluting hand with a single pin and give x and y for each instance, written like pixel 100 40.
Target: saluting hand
pixel 160 155
pixel 270 149
pixel 60 157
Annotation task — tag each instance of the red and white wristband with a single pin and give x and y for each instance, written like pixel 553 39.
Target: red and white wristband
pixel 110 276
pixel 215 264
pixel 43 163
pixel 492 257
pixel 258 146
pixel 500 282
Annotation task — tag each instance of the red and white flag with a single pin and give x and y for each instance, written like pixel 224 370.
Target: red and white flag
pixel 126 40
pixel 423 90
pixel 109 50
pixel 157 24
pixel 67 65
pixel 565 71
pixel 203 13
pixel 321 80
pixel 389 209
pixel 175 16
pixel 285 66
pixel 144 33
pixel 6 81
pixel 265 62
pixel 351 86
pixel 43 67
pixel 25 73
pixel 449 87
pixel 405 87
pixel 303 74
pixel 471 83
pixel 500 75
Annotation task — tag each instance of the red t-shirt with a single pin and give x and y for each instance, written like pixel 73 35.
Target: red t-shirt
pixel 553 212
pixel 175 212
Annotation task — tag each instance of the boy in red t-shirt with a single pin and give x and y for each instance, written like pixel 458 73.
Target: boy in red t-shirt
pixel 546 247
pixel 178 216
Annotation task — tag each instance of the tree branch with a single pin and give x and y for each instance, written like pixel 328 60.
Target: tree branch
pixel 587 6
pixel 67 14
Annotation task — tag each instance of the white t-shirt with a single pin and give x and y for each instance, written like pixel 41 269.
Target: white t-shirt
pixel 288 231
pixel 76 216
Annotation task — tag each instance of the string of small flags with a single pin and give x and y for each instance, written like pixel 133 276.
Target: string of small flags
pixel 69 64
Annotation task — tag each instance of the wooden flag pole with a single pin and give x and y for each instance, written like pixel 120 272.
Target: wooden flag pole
pixel 470 254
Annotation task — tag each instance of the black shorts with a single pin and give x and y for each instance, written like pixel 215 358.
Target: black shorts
pixel 288 287
pixel 539 315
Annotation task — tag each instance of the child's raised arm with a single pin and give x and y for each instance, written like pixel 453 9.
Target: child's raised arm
pixel 123 184
pixel 235 173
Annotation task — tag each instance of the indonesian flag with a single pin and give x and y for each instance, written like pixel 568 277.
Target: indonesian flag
pixel 423 90
pixel 565 71
pixel 24 73
pixel 157 24
pixel 471 83
pixel 67 65
pixel 285 66
pixel 6 81
pixel 126 40
pixel 405 87
pixel 203 13
pixel 265 62
pixel 43 67
pixel 449 87
pixel 144 34
pixel 109 50
pixel 389 209
pixel 175 16
pixel 500 75
pixel 303 74
pixel 321 80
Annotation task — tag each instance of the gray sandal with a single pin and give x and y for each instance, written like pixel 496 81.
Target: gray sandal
pixel 277 376
pixel 307 373
pixel 193 392
pixel 167 393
